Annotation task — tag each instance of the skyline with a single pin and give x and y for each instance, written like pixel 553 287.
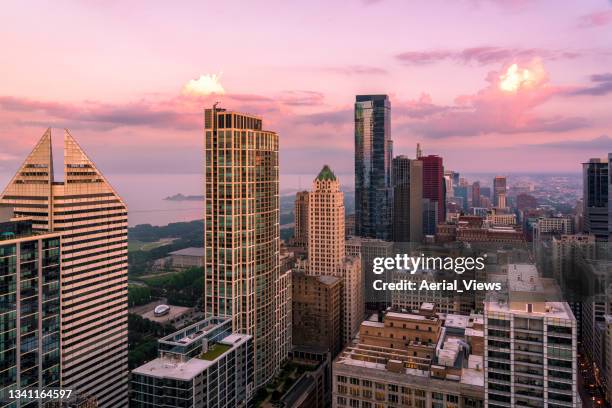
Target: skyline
pixel 110 94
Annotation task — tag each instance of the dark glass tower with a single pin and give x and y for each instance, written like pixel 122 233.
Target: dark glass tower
pixel 373 153
pixel 595 184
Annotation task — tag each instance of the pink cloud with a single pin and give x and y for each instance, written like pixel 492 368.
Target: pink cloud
pixel 483 55
pixel 596 19
pixel 495 111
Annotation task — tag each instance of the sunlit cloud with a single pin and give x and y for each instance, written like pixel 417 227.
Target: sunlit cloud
pixel 205 85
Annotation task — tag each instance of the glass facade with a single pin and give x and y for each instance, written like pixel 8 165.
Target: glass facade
pixel 29 315
pixel 373 154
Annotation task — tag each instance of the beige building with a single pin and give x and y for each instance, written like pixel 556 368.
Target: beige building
pixel 241 233
pixel 92 220
pixel 326 247
pixel 412 360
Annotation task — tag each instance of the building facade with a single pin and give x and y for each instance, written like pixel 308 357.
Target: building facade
pixel 241 231
pixel 30 267
pixel 327 251
pixel 204 365
pixel 300 231
pixel 595 183
pixel 433 184
pixel 373 155
pixel 499 191
pixel 407 179
pixel 92 221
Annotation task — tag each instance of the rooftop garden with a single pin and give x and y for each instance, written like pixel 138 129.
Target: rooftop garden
pixel 214 351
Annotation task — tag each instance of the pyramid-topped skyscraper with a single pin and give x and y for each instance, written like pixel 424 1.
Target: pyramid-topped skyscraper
pixel 92 221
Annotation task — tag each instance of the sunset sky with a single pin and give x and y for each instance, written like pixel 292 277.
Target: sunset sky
pixel 130 79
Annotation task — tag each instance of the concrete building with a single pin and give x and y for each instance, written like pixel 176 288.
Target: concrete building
pixel 300 211
pixel 92 221
pixel 317 312
pixel 373 155
pixel 476 194
pixel 433 186
pixel 595 182
pixel 530 343
pixel 30 267
pixel 407 181
pixel 411 360
pixel 187 258
pixel 326 248
pixel 368 249
pixel 241 232
pixel 203 365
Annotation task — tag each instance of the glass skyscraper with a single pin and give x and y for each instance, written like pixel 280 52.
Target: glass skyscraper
pixel 29 311
pixel 373 154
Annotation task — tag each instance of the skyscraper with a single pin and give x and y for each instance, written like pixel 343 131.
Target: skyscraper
pixel 433 183
pixel 241 231
pixel 29 309
pixel 326 247
pixel 595 182
pixel 407 179
pixel 373 154
pixel 92 221
pixel 476 194
pixel 300 234
pixel 499 188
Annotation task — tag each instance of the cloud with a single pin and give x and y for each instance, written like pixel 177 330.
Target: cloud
pixel 494 109
pixel 301 98
pixel 596 19
pixel 205 85
pixel 483 55
pixel 357 70
pixel 602 143
pixel 601 85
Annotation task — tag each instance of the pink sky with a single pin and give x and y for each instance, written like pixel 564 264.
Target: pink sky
pixel 114 73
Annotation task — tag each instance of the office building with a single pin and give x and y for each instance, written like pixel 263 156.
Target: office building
pixel 499 189
pixel 241 232
pixel 407 178
pixel 92 221
pixel 412 360
pixel 202 365
pixel 530 343
pixel 525 201
pixel 476 194
pixel 30 267
pixel 317 312
pixel 433 183
pixel 595 183
pixel 373 154
pixel 300 231
pixel 430 216
pixel 326 248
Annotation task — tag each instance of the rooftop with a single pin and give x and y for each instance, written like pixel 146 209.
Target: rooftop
pixel 189 252
pixel 326 174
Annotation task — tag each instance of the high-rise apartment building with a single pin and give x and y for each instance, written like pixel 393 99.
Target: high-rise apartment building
pixel 92 221
pixel 241 232
pixel 202 365
pixel 530 344
pixel 29 310
pixel 499 188
pixel 300 211
pixel 326 247
pixel 407 179
pixel 595 184
pixel 373 154
pixel 433 183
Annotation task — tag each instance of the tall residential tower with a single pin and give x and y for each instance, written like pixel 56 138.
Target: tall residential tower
pixel 373 154
pixel 241 233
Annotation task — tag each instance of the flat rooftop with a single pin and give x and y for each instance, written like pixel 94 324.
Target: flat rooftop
pixel 192 251
pixel 185 371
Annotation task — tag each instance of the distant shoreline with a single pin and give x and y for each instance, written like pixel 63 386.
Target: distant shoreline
pixel 182 197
